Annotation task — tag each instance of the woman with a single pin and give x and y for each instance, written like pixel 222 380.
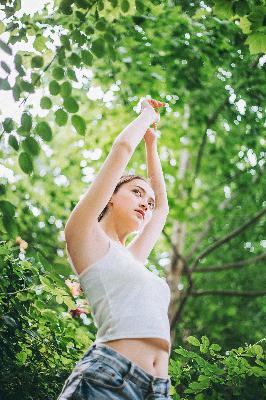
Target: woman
pixel 129 358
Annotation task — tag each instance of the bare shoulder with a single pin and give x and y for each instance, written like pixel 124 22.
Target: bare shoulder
pixel 85 250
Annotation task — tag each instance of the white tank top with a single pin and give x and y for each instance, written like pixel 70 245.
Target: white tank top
pixel 127 300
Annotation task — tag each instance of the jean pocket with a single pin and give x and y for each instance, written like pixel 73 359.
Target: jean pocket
pixel 104 374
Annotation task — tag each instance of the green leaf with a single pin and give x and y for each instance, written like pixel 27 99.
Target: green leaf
pixel 79 124
pixel 39 43
pixel 17 5
pixel 12 141
pixel 21 356
pixel 35 79
pixel 2 190
pixel 2 27
pixel 98 47
pixel 100 5
pixel 109 37
pixel 25 162
pixel 58 73
pixel 74 59
pixel 193 340
pixel 215 347
pixel 18 59
pixel 78 37
pixel 245 24
pixel 257 349
pixel 257 43
pixel 5 47
pixel 46 103
pixel 8 209
pixel 37 62
pixel 26 86
pixel 205 344
pixel 64 39
pixel 5 67
pixel 71 105
pixel 61 117
pixel 11 227
pixel 65 7
pixel 31 146
pixel 66 89
pixel 101 25
pixel 44 131
pixel 86 57
pixel 89 30
pixel 125 6
pixel 115 3
pixel 26 123
pixel 71 74
pixel 82 3
pixel 8 125
pixel 4 84
pixel 69 302
pixel 16 92
pixel 59 299
pixel 223 9
pixel 54 88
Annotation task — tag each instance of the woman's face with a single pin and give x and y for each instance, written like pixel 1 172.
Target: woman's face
pixel 131 196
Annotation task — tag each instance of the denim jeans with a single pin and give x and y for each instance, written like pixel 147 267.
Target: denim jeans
pixel 105 374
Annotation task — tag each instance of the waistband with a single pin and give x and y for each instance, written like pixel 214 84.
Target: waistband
pixel 130 370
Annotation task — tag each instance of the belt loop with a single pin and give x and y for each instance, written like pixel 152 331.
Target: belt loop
pixel 130 371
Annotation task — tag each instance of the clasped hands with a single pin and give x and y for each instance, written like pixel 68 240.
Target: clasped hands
pixel 151 104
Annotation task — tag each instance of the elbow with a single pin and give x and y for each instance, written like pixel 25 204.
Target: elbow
pixel 123 144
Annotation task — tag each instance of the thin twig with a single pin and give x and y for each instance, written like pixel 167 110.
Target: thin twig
pixel 228 237
pixel 227 293
pixel 236 264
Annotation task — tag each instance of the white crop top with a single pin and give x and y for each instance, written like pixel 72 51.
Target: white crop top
pixel 126 299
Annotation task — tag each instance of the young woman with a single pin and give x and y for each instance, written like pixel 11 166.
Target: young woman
pixel 129 358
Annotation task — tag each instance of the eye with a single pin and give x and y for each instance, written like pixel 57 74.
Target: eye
pixel 136 190
pixel 151 203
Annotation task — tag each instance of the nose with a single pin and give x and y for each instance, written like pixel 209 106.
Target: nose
pixel 143 204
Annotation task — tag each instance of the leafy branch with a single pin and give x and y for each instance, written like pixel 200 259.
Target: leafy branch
pixel 232 265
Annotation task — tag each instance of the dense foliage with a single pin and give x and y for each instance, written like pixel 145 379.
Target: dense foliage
pixel 71 76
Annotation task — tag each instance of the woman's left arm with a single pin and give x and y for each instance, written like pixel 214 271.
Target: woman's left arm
pixel 155 172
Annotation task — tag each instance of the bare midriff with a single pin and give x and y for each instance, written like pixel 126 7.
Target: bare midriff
pixel 151 354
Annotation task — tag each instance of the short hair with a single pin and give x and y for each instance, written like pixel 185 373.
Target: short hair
pixel 124 179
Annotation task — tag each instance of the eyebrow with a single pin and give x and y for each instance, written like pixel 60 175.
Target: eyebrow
pixel 144 192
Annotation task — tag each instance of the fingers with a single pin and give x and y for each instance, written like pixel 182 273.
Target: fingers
pixel 156 103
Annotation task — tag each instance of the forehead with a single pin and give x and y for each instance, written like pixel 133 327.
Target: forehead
pixel 142 184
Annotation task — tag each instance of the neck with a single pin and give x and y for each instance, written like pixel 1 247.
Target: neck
pixel 109 227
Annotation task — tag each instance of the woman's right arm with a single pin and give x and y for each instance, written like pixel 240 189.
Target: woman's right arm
pixel 84 216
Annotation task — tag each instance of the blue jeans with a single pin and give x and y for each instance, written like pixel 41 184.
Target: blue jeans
pixel 105 374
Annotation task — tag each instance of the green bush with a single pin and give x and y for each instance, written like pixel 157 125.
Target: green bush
pixel 43 333
pixel 207 374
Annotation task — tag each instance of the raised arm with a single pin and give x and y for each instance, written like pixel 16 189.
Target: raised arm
pixel 143 243
pixel 85 214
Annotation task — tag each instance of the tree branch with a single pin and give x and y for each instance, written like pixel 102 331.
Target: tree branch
pixel 228 293
pixel 205 230
pixel 236 264
pixel 203 233
pixel 228 237
pixel 210 121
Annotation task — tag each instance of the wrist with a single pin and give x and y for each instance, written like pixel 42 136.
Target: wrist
pixel 150 115
pixel 151 144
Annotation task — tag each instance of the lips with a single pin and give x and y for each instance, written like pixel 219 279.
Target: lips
pixel 141 213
